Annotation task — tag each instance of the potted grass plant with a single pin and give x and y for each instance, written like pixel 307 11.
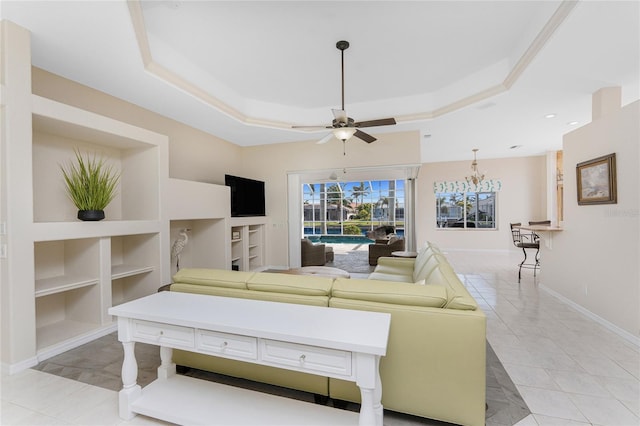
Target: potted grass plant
pixel 91 185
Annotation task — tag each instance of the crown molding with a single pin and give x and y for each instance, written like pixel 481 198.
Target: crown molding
pixel 175 80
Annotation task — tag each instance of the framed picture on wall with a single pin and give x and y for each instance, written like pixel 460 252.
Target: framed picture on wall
pixel 597 181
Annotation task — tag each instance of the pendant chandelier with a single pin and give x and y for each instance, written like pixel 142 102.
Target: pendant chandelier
pixel 475 177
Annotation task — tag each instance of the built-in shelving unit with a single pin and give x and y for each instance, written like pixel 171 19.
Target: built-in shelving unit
pixel 60 275
pixel 82 269
pixel 93 265
pixel 63 274
pixel 248 249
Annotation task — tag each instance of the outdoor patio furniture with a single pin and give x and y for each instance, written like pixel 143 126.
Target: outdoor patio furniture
pixel 384 247
pixel 315 254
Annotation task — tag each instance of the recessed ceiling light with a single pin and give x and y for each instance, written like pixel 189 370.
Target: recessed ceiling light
pixel 552 115
pixel 572 123
pixel 487 105
pixel 515 146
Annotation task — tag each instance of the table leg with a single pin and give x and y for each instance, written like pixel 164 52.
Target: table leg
pixel 371 410
pixel 130 389
pixel 167 366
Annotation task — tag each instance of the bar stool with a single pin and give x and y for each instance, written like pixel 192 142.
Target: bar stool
pixel 526 241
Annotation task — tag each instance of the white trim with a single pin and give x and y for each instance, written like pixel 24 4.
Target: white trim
pixel 67 345
pixel 174 79
pixel 9 369
pixel 294 216
pixel 603 322
pixel 502 251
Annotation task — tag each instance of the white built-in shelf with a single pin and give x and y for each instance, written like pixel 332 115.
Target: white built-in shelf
pixel 62 283
pixel 51 231
pixel 248 253
pixel 122 271
pixel 56 118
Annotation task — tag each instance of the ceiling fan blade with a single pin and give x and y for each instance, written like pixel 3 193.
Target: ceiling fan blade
pixel 379 122
pixel 340 115
pixel 312 127
pixel 325 139
pixel 364 136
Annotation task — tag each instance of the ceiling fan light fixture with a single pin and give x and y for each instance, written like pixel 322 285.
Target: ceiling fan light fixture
pixel 344 127
pixel 344 133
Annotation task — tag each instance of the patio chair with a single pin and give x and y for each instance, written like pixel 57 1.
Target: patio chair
pixel 315 254
pixel 384 248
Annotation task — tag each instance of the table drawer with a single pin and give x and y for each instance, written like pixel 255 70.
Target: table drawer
pixel 232 345
pixel 163 334
pixel 310 358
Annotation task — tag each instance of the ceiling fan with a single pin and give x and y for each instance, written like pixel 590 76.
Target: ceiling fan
pixel 343 126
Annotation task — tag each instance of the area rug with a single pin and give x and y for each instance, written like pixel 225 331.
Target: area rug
pixel 354 261
pixel 99 363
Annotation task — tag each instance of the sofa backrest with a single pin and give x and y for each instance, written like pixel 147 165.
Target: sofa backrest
pixel 274 287
pixel 458 296
pixel 305 285
pixel 221 277
pixel 424 270
pixel 390 292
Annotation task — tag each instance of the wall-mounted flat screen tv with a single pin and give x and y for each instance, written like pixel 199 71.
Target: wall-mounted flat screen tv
pixel 247 196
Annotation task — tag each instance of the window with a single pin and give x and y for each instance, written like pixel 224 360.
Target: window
pixel 466 210
pixel 352 208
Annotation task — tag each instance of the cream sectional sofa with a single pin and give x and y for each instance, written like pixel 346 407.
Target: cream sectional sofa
pixel 435 365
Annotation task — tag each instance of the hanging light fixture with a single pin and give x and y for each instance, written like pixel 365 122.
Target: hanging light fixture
pixel 476 177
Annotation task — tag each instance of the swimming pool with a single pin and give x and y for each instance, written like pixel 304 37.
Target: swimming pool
pixel 337 239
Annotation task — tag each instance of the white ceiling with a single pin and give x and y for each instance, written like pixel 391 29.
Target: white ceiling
pixel 465 74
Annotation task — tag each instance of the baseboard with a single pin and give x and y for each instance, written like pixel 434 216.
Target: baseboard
pixel 502 251
pixel 54 350
pixel 9 369
pixel 603 322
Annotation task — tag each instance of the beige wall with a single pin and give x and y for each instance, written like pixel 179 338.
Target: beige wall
pixel 193 155
pixel 594 261
pixel 521 199
pixel 272 162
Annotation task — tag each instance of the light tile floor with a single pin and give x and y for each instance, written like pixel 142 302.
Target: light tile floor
pixel 569 369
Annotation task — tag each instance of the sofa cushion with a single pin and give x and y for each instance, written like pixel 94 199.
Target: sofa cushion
pixel 213 277
pixel 381 276
pixel 308 285
pixel 393 269
pixel 395 265
pixel 395 293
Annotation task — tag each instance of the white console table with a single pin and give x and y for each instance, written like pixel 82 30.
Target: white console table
pixel 340 343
